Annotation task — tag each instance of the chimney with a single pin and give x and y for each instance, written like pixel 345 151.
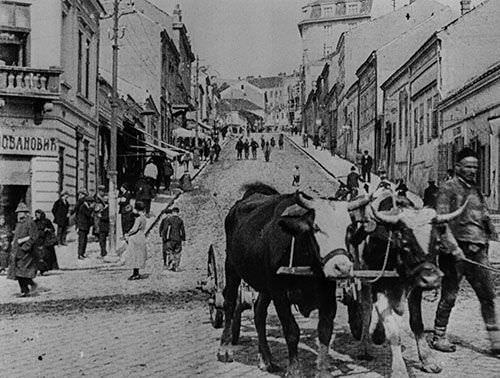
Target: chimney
pixel 465 6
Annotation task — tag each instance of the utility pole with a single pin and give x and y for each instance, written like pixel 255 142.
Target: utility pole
pixel 112 172
pixel 197 103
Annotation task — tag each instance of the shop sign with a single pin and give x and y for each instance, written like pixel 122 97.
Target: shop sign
pixel 27 142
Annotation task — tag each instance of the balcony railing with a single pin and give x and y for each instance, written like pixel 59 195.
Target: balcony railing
pixel 29 82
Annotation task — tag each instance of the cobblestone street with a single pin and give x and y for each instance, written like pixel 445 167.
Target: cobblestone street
pixel 96 323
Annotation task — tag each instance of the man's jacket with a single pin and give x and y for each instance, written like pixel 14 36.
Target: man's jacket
pixel 172 229
pixel 474 224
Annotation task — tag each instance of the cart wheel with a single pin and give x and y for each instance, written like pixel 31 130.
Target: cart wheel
pixel 216 314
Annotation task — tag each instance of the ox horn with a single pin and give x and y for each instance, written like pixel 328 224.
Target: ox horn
pixel 442 218
pixel 304 202
pixel 385 217
pixel 356 204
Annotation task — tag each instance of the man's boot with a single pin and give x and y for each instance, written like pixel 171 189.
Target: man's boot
pixel 494 336
pixel 441 343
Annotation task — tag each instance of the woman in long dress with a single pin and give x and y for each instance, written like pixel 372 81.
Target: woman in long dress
pixel 136 252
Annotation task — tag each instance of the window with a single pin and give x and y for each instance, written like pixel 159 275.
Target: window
pixel 421 123
pixel 434 120
pixel 86 164
pixel 328 11
pixel 428 116
pixel 87 68
pixel 415 127
pixel 79 74
pixel 61 169
pixel 353 8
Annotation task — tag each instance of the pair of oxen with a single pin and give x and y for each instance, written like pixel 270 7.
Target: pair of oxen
pixel 260 230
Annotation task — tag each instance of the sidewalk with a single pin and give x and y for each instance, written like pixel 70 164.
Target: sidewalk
pixel 340 168
pixel 67 255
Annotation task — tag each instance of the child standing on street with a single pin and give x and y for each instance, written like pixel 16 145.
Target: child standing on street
pixel 296 176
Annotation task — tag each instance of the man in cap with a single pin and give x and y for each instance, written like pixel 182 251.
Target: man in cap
pixel 24 265
pixel 173 234
pixel 84 221
pixel 430 194
pixel 82 194
pixel 60 211
pixel 472 230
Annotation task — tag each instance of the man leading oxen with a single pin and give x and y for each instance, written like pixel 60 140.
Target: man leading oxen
pixel 262 229
pixel 408 241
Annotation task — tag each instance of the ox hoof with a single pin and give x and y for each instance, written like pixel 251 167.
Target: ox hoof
pixel 270 367
pixel 323 374
pixel 225 355
pixel 365 357
pixel 431 368
pixel 293 372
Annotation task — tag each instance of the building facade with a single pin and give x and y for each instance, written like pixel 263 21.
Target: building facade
pixel 48 100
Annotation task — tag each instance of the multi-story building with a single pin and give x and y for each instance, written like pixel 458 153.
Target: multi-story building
pixel 354 47
pixel 154 69
pixel 242 89
pixel 322 24
pixel 423 89
pixel 48 100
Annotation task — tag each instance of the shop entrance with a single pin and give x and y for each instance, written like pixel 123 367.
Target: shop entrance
pixel 10 196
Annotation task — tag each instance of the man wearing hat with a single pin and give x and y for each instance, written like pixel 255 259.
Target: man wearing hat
pixel 60 211
pixel 23 266
pixel 173 234
pixel 472 230
pixel 84 221
pixel 82 194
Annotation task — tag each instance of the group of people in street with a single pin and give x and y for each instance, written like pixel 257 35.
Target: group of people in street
pixel 243 148
pixel 29 249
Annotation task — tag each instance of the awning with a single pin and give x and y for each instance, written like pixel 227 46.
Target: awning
pixel 168 151
pixel 181 132
pixel 201 124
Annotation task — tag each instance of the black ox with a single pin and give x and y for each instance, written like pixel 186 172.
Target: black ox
pixel 407 240
pixel 259 231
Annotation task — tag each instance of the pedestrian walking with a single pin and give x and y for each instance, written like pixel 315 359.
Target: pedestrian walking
pixel 430 194
pixel 239 149
pixel 23 265
pixel 296 176
pixel 172 233
pixel 254 146
pixel 262 142
pixel 45 243
pixel 85 219
pixel 267 151
pixel 145 194
pixel 60 211
pixel 217 149
pixel 212 153
pixel 273 142
pixel 473 230
pixel 99 204
pixel 366 167
pixel 186 158
pixel 316 141
pixel 281 141
pixel 246 148
pixel 206 150
pixel 353 179
pixel 305 140
pixel 136 253
pixel 151 171
pixel 102 211
pixel 169 172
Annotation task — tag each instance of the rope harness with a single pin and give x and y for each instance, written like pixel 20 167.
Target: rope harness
pixel 386 258
pixel 480 265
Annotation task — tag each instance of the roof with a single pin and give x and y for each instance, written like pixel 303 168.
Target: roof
pixel 369 36
pixel 267 82
pixel 234 104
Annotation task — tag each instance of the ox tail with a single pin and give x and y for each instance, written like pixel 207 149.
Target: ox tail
pixel 258 187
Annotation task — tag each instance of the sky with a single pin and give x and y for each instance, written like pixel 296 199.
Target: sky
pixel 252 37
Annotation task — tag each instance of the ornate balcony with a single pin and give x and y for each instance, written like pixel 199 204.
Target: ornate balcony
pixel 30 82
